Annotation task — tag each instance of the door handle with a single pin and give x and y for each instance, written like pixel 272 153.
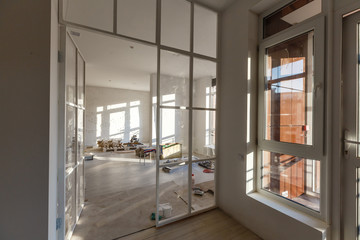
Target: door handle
pixel 348 143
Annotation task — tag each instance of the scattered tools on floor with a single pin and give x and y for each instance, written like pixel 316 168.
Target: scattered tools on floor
pixel 208 171
pixel 199 192
pixel 179 196
pixel 207 164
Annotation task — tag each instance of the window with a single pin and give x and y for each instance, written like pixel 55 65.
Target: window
pixel 291 107
pixel 295 12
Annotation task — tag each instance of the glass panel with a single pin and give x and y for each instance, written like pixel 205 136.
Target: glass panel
pixel 81 81
pixel 291 14
pixel 175 24
pixel 173 191
pixel 80 135
pixel 79 188
pixel 173 176
pixel 70 138
pixel 70 72
pixel 137 18
pixel 203 185
pixel 92 13
pixel 289 90
pixel 204 125
pixel 174 139
pixel 70 204
pixel 294 178
pixel 174 79
pixel 205 31
pixel 204 85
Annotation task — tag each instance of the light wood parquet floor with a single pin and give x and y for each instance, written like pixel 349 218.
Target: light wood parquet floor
pixel 212 225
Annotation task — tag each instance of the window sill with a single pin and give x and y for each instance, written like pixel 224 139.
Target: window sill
pixel 291 212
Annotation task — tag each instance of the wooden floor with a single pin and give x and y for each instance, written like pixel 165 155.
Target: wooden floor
pixel 212 225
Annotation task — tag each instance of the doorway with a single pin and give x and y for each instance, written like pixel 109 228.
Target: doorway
pixel 183 88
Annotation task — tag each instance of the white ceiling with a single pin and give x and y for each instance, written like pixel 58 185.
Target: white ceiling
pixel 119 63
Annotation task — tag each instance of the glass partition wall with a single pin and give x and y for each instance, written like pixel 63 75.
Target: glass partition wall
pixel 184 90
pixel 74 135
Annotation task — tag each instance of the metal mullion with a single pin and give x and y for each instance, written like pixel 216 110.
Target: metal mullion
pixel 115 17
pixel 191 73
pixel 217 113
pixel 204 159
pixel 206 109
pixel 187 53
pixel 100 31
pixel 158 40
pixel 174 107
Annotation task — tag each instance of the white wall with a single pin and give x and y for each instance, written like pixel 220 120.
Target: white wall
pixel 237 31
pixel 98 100
pixel 25 31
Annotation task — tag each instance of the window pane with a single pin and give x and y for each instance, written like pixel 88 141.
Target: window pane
pixel 81 81
pixel 294 178
pixel 175 24
pixel 70 71
pixel 293 13
pixel 174 133
pixel 204 94
pixel 92 13
pixel 137 18
pixel 174 79
pixel 80 135
pixel 70 138
pixel 289 90
pixel 80 198
pixel 174 154
pixel 70 203
pixel 203 184
pixel 205 31
pixel 204 134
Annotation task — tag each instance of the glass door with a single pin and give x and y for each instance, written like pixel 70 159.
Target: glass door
pixel 351 126
pixel 71 183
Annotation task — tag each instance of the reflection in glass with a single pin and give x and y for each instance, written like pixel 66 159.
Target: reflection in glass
pixel 291 14
pixel 289 90
pixel 174 79
pixel 204 84
pixel 175 24
pixel 294 178
pixel 205 31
